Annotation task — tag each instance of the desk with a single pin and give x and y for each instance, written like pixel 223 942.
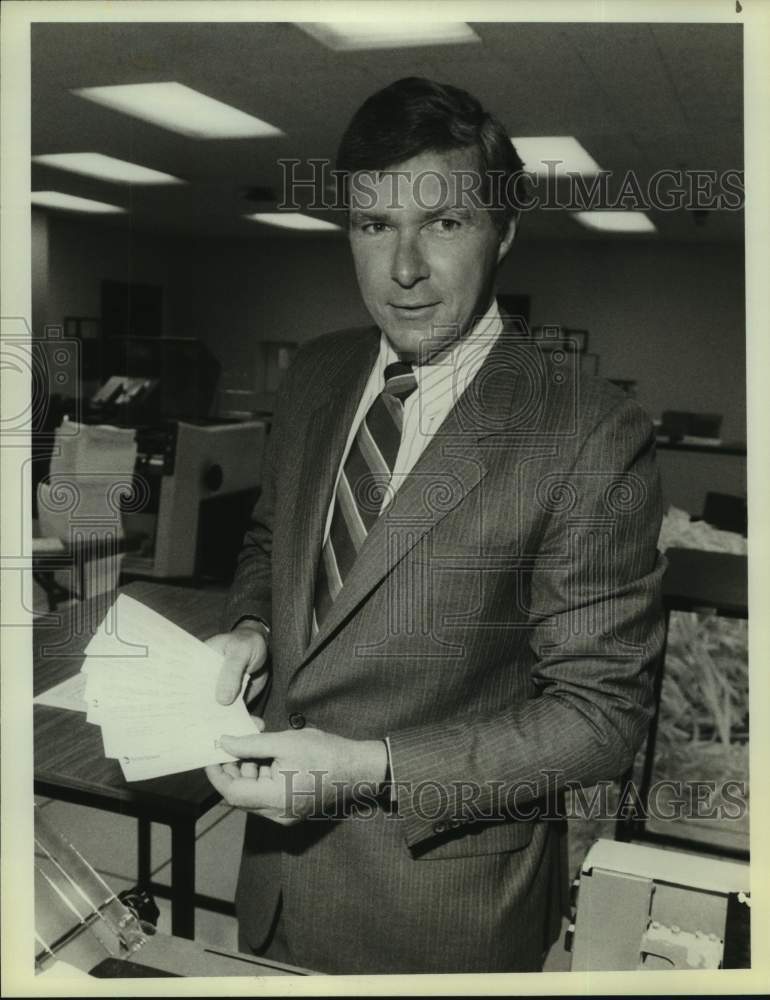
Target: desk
pixel 69 755
pixel 695 580
pixel 74 557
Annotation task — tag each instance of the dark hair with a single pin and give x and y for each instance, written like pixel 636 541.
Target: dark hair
pixel 414 116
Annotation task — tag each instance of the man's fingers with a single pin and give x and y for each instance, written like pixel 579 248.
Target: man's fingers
pixel 219 641
pixel 237 652
pixel 257 794
pixel 256 686
pixel 218 778
pixel 229 681
pixel 244 651
pixel 260 745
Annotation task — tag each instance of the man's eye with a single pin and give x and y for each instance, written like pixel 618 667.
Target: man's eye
pixel 373 228
pixel 444 226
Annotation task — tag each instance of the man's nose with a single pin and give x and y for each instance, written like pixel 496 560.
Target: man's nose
pixel 409 264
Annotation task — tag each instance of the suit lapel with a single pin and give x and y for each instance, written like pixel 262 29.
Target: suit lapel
pixel 444 475
pixel 327 430
pixel 450 468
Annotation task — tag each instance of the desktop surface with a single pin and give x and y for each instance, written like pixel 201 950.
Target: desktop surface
pixel 68 751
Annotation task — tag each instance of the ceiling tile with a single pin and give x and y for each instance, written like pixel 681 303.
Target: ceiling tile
pixel 640 97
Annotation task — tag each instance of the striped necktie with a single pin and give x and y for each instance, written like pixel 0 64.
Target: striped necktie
pixel 363 485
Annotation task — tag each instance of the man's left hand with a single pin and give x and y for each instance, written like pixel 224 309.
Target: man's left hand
pixel 287 776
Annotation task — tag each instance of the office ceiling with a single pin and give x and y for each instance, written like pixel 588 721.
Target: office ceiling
pixel 642 97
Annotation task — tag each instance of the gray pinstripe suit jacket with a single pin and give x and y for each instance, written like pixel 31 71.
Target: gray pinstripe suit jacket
pixel 499 627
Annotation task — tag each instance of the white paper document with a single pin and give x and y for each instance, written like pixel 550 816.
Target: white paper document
pixel 151 687
pixel 69 694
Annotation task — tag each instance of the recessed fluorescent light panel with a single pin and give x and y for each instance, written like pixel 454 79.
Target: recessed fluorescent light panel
pixel 293 220
pixel 347 36
pixel 616 222
pixel 56 199
pixel 180 109
pixel 105 168
pixel 544 154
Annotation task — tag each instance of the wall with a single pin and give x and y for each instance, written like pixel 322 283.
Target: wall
pixel 669 315
pixel 39 264
pixel 71 257
pixel 234 293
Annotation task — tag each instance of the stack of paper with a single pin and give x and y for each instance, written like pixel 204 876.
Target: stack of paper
pixel 151 687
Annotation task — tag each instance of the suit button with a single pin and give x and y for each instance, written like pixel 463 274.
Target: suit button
pixel 439 827
pixel 297 720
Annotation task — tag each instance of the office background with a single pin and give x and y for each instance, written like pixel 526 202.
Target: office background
pixel 663 309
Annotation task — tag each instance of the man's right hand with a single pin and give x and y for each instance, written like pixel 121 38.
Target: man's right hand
pixel 245 652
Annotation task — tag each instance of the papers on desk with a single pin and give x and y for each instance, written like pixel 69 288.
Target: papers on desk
pixel 70 694
pixel 150 686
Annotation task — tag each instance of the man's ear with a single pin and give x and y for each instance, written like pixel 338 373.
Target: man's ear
pixel 507 240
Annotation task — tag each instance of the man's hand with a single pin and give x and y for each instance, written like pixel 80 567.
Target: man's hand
pixel 245 652
pixel 289 775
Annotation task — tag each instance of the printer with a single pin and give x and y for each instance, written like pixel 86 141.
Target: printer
pixel 196 476
pixel 640 907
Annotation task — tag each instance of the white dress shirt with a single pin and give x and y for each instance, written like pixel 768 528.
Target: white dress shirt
pixel 439 387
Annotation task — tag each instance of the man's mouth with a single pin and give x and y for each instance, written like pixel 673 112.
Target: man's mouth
pixel 413 309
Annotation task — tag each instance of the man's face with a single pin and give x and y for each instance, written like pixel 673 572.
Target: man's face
pixel 425 255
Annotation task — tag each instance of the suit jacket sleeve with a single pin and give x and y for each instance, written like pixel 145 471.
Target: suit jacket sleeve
pixel 596 629
pixel 251 589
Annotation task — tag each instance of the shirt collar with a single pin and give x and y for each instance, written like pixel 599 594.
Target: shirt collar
pixel 453 371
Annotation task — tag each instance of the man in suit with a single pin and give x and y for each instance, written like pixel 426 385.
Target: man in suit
pixel 449 592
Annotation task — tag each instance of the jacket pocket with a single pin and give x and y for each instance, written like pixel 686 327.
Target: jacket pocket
pixel 473 839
